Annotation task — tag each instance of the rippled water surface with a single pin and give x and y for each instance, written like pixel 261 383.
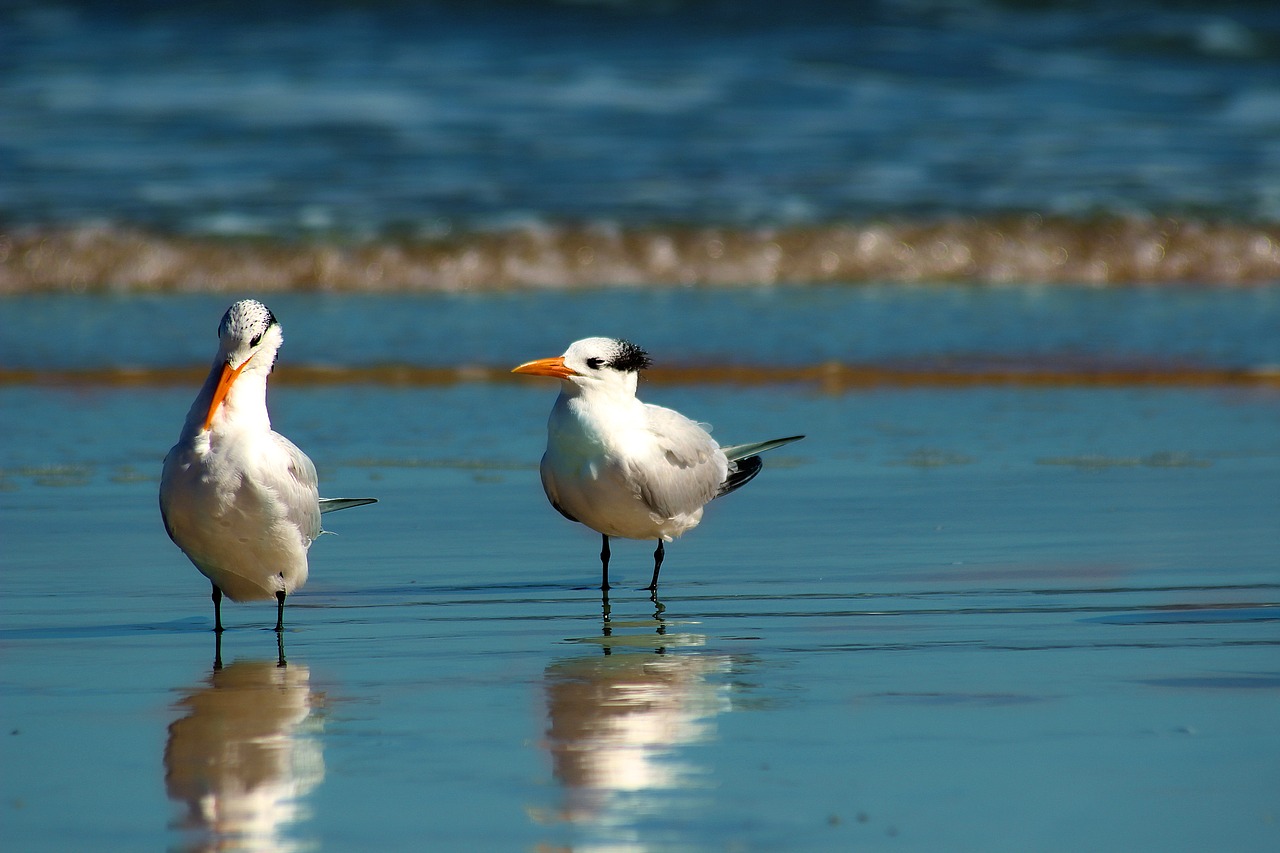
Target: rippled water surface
pixel 991 617
pixel 445 146
pixel 425 116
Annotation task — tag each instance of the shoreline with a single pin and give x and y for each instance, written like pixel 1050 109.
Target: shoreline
pixel 829 377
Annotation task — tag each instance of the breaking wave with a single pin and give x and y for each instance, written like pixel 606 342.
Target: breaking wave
pixel 1025 249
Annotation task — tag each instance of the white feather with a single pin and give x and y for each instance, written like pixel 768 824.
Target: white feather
pixel 238 498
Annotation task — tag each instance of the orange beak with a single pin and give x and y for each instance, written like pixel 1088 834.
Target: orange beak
pixel 546 367
pixel 229 375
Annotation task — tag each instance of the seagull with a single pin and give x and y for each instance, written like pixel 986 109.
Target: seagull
pixel 238 498
pixel 626 468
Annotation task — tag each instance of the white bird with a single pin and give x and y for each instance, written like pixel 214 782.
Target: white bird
pixel 627 468
pixel 239 499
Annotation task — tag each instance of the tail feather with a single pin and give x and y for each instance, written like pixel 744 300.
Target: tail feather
pixel 742 451
pixel 741 472
pixel 745 463
pixel 335 504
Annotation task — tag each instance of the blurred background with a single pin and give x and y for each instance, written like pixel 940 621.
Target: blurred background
pixel 477 145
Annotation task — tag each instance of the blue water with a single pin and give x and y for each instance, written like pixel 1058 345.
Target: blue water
pixel 982 618
pixel 431 118
pixel 971 620
pixel 1037 615
pixel 888 325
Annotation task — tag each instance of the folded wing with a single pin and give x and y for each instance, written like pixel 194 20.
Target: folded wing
pixel 687 469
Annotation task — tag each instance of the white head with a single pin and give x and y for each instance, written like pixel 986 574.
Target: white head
pixel 248 340
pixel 602 365
pixel 248 333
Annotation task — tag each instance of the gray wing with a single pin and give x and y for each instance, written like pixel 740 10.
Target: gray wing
pixel 298 489
pixel 742 451
pixel 744 461
pixel 335 504
pixel 686 471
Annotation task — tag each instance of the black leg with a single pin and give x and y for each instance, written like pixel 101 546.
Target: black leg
pixel 657 567
pixel 217 609
pixel 280 611
pixel 280 649
pixel 604 564
pixel 217 652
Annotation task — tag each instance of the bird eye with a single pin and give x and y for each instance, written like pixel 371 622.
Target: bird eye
pixel 594 363
pixel 257 339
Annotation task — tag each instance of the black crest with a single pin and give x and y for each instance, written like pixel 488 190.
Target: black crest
pixel 629 357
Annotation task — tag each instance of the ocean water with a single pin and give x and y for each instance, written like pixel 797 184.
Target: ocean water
pixel 440 145
pixel 980 615
pixel 1010 267
pixel 697 334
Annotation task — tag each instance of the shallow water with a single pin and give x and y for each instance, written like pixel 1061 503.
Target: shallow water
pixel 981 618
pixel 956 329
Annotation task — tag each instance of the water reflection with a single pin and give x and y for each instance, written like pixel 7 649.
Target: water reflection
pixel 620 723
pixel 243 757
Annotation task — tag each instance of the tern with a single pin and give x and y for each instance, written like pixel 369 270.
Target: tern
pixel 626 468
pixel 238 498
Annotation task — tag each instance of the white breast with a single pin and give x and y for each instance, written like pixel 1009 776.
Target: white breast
pixel 240 515
pixel 627 469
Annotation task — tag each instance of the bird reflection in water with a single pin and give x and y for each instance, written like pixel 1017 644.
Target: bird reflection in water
pixel 243 756
pixel 619 723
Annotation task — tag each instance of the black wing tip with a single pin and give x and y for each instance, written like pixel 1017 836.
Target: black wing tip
pixel 744 472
